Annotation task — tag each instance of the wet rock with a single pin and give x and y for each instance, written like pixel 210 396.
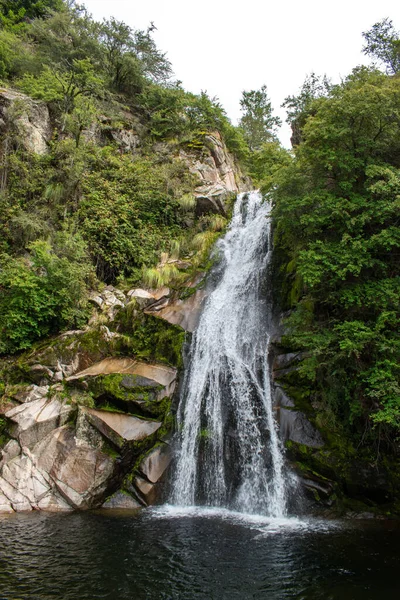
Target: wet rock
pixel 52 502
pixel 287 363
pixel 32 421
pixel 155 463
pixel 5 504
pixel 148 492
pixel 295 426
pixel 18 501
pixel 122 501
pixel 323 489
pixel 121 428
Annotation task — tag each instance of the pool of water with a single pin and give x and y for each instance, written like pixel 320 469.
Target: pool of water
pixel 168 553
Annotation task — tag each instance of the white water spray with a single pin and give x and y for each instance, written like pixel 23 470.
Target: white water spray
pixel 230 454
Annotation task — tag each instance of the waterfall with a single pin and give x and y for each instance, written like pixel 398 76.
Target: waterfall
pixel 229 449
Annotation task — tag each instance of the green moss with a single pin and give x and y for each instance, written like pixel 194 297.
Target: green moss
pixel 151 339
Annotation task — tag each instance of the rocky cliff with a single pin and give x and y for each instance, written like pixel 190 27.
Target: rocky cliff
pixel 86 415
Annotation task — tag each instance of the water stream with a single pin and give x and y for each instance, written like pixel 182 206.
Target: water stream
pixel 230 454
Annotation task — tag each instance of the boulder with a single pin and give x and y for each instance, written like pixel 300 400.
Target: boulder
pixel 18 501
pixel 185 313
pixel 122 501
pixel 162 375
pixel 148 492
pixel 155 463
pixel 109 301
pixel 80 473
pixel 31 483
pixel 120 428
pixel 220 178
pixel 29 118
pixel 32 421
pixel 5 504
pixel 31 393
pixel 10 451
pixel 293 424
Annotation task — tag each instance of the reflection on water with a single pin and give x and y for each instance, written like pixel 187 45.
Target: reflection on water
pixel 164 554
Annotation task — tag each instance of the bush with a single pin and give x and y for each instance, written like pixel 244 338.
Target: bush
pixel 43 293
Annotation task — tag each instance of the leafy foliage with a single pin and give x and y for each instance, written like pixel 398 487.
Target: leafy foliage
pixel 121 202
pixel 44 293
pixel 258 123
pixel 336 210
pixel 382 42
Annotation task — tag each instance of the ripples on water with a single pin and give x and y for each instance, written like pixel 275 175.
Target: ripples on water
pixel 186 554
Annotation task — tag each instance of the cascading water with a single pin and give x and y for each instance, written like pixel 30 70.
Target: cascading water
pixel 230 454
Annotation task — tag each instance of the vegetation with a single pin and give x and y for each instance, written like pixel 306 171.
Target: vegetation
pixel 102 202
pixel 336 208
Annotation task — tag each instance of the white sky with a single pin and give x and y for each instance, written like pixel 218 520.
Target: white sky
pixel 225 47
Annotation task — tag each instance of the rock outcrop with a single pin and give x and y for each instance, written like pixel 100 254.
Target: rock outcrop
pixel 28 118
pixel 220 178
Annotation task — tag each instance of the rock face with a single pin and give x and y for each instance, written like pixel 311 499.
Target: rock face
pixel 219 176
pixel 32 421
pixel 151 473
pixel 62 456
pixel 29 118
pixel 293 424
pixel 185 313
pixel 121 428
pixel 122 501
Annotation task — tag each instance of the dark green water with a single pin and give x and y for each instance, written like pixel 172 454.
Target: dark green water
pixel 86 556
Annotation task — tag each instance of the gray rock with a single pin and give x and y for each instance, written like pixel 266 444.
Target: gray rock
pixel 130 382
pixel 10 451
pixel 18 501
pixel 85 433
pixel 31 393
pixel 122 501
pixel 147 492
pixel 80 473
pixel 22 474
pixel 295 426
pixel 121 428
pixel 155 463
pixel 34 420
pixel 185 313
pixel 5 504
pixel 31 119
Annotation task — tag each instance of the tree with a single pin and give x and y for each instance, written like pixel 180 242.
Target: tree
pixel 314 87
pixel 336 212
pixel 13 12
pixel 383 44
pixel 131 55
pixel 258 123
pixel 43 294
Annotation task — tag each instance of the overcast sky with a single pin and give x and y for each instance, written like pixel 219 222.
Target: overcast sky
pixel 224 47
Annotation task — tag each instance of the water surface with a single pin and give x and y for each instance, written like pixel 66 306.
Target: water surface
pixel 167 554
